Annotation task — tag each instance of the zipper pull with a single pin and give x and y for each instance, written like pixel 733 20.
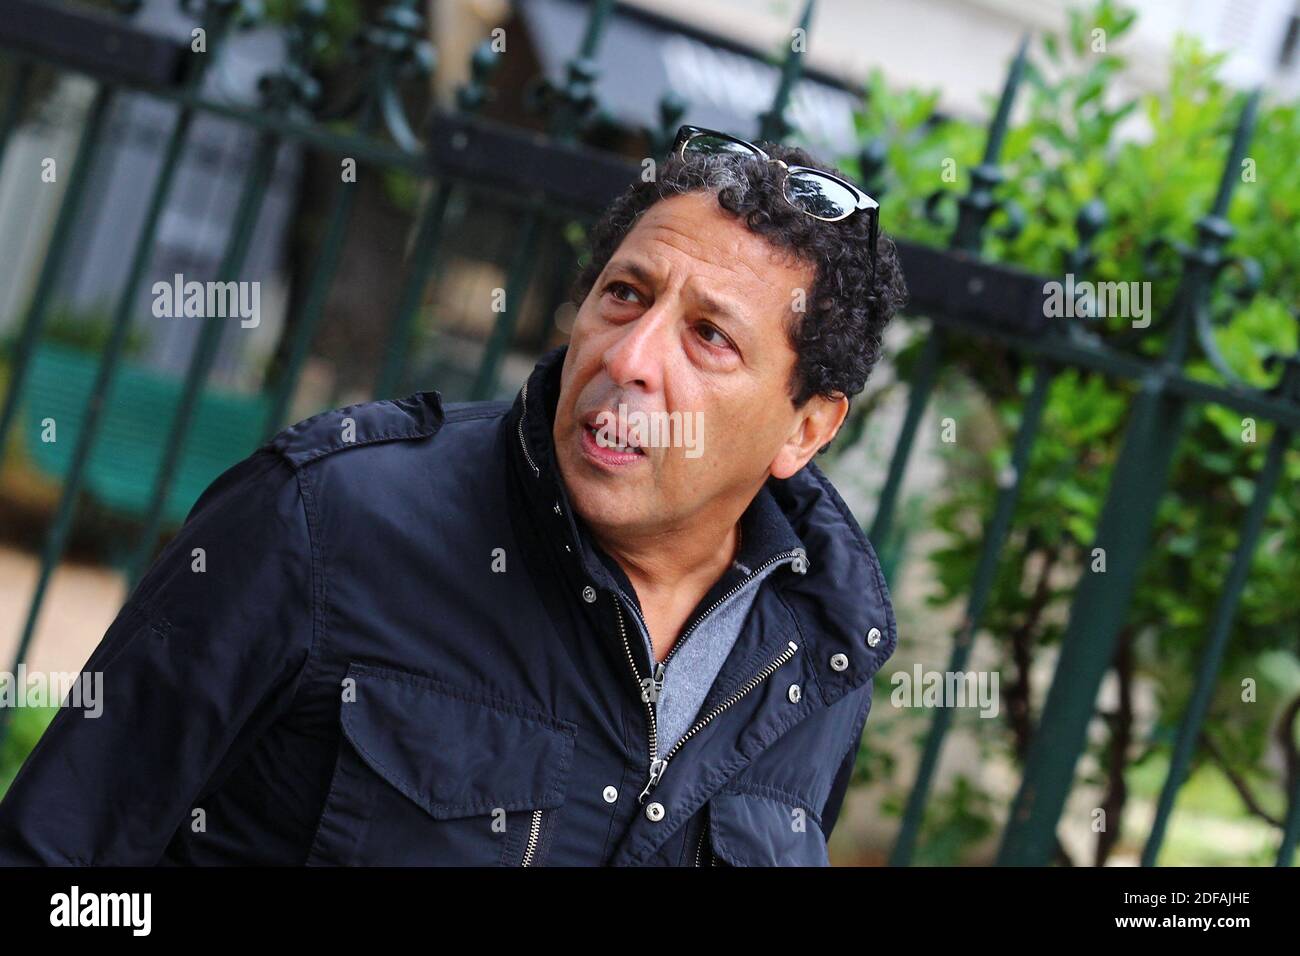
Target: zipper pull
pixel 652 687
pixel 657 768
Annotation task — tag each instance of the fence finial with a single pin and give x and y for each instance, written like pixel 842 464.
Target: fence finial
pixel 672 107
pixel 574 102
pixel 474 93
pixel 773 126
pixel 1002 118
pixel 979 203
pixel 1240 140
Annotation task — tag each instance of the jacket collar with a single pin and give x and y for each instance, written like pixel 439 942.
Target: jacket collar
pixel 840 600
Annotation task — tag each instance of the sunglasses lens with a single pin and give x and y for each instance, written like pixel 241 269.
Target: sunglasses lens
pixel 820 196
pixel 808 190
pixel 711 145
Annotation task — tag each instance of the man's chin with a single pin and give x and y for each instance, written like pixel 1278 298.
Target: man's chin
pixel 603 508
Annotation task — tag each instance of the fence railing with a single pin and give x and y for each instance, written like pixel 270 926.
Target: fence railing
pixel 553 179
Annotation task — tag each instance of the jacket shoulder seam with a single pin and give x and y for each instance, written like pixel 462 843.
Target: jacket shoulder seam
pixel 300 461
pixel 470 415
pixel 299 449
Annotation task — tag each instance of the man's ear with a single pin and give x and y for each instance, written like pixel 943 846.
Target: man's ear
pixel 817 424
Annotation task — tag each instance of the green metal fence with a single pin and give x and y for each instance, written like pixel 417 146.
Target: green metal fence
pixel 550 182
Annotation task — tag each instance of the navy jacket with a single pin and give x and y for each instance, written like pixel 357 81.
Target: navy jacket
pixel 384 638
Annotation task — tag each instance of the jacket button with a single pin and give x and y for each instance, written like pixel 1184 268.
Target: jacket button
pixel 795 694
pixel 654 812
pixel 589 594
pixel 839 662
pixel 557 509
pixel 611 794
pixel 873 636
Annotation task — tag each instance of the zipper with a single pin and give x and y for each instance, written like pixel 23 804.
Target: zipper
pixel 740 586
pixel 651 687
pixel 659 764
pixel 534 836
pixel 704 841
pixel 523 444
pixel 636 676
pixel 790 648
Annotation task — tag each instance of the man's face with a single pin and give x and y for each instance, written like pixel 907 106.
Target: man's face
pixel 689 317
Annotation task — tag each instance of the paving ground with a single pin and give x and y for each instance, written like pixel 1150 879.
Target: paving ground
pixel 79 607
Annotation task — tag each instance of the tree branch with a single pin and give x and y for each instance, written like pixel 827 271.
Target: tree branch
pixel 1238 782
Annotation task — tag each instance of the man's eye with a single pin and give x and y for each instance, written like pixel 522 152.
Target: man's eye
pixel 623 292
pixel 712 335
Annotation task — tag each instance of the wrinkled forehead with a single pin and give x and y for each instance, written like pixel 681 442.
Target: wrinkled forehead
pixel 689 238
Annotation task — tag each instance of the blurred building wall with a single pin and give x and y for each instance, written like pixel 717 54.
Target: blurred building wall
pixel 961 47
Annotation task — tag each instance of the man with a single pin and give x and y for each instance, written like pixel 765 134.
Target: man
pixel 524 633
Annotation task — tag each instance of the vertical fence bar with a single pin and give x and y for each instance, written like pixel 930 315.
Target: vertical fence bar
pixel 990 550
pixel 14 103
pixel 205 351
pixel 38 310
pixel 924 377
pixel 1096 616
pixel 1102 600
pixel 973 213
pixel 423 258
pixel 317 289
pixel 1291 829
pixel 469 99
pixel 1207 672
pixel 521 270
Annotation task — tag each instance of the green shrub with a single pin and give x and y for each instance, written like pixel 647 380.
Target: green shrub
pixel 1065 155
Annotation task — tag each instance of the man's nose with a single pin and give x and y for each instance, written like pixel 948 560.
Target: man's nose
pixel 637 357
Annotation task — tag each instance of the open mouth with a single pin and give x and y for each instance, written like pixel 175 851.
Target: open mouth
pixel 594 437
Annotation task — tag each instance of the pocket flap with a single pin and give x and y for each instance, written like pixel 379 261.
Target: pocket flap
pixel 748 829
pixel 454 752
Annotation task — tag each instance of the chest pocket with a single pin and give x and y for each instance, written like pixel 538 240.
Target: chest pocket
pixel 433 775
pixel 751 829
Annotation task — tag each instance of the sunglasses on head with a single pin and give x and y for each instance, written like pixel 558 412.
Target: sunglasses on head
pixel 814 192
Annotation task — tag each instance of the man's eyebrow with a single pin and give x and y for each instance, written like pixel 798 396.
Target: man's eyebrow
pixel 721 308
pixel 706 302
pixel 637 271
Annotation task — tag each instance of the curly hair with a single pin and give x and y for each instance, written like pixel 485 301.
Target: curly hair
pixel 837 340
